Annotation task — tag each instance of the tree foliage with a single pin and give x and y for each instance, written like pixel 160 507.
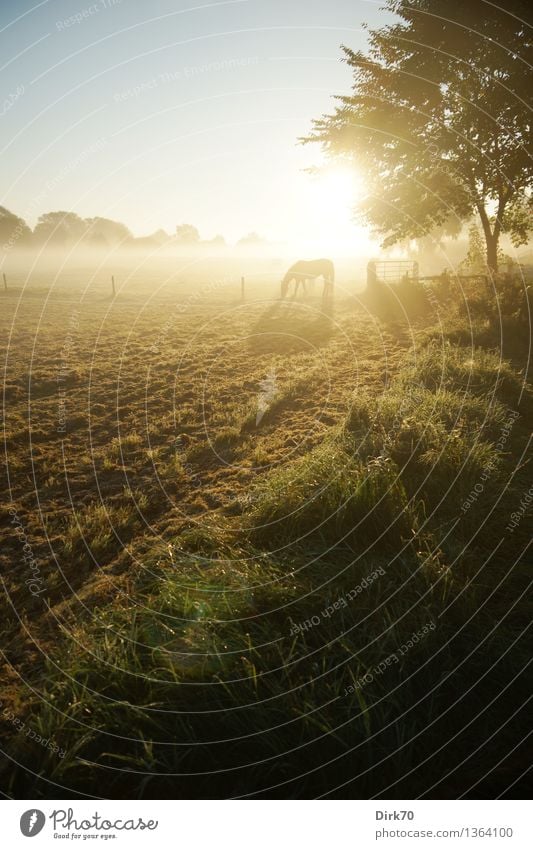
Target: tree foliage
pixel 187 234
pixel 475 258
pixel 13 230
pixel 439 120
pixel 106 232
pixel 59 228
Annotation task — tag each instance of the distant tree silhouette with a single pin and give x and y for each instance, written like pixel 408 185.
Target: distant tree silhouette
pixel 160 236
pixel 216 241
pixel 431 248
pixel 251 239
pixel 187 234
pixel 105 231
pixel 475 259
pixel 438 121
pixel 59 228
pixel 13 230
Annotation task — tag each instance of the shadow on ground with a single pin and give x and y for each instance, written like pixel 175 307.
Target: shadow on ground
pixel 288 326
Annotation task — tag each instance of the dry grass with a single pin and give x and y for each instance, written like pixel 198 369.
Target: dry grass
pixel 181 541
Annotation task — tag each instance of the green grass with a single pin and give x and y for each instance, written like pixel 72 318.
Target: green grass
pixel 220 673
pixel 330 494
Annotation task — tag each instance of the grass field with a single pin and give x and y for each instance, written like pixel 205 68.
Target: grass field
pixel 265 549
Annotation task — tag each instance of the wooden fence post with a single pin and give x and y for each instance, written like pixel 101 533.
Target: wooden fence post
pixel 5 281
pixel 113 286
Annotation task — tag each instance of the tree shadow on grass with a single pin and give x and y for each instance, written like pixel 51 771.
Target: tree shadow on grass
pixel 288 327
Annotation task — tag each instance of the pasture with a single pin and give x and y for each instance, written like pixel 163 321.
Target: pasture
pixel 263 548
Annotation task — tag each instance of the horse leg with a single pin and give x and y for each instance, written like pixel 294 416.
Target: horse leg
pixel 286 285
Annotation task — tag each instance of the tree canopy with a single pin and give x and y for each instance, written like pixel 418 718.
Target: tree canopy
pixel 439 120
pixel 13 230
pixel 106 232
pixel 187 234
pixel 59 228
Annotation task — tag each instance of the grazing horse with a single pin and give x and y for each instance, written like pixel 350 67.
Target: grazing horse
pixel 304 270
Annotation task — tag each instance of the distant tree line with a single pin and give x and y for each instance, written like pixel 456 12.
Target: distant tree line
pixel 59 229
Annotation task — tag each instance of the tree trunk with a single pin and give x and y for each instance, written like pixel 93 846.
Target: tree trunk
pixel 492 251
pixel 492 237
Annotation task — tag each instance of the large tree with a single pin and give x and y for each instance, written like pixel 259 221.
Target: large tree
pixel 187 234
pixel 59 228
pixel 13 230
pixel 439 120
pixel 106 232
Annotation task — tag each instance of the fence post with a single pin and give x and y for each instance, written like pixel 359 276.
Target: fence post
pixel 371 276
pixel 5 282
pixel 113 285
pixel 242 288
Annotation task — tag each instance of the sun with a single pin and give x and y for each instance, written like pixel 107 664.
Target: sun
pixel 327 224
pixel 339 188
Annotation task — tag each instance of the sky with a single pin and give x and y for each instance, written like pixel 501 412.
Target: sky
pixel 169 111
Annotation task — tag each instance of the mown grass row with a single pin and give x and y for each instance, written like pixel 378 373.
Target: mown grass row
pixel 224 674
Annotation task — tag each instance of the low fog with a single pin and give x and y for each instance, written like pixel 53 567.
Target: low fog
pixel 64 252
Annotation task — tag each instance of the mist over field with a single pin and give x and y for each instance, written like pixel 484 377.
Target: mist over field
pixel 163 270
pixel 160 266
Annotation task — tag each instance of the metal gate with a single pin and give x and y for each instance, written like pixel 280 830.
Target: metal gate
pixel 390 271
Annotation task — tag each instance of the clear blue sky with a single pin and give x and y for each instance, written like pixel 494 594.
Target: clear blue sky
pixel 214 145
